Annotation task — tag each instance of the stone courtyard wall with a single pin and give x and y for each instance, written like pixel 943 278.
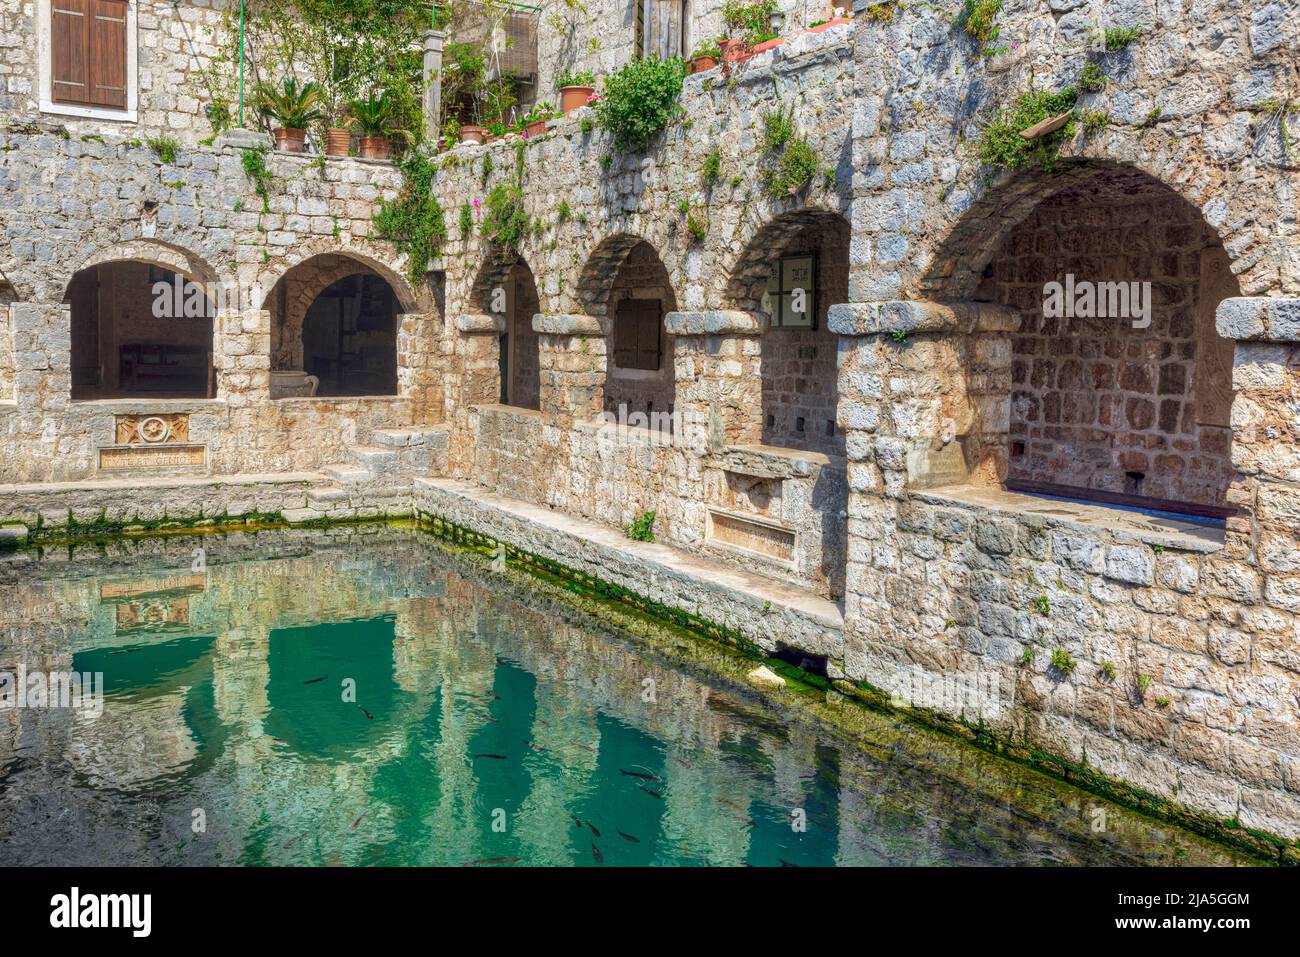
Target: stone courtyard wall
pixel 69 201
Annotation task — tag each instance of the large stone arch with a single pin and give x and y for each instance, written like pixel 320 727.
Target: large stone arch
pixel 798 366
pixel 368 255
pixel 978 211
pixel 126 340
pixel 1126 391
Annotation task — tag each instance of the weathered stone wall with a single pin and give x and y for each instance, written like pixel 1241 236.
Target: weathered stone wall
pixel 73 201
pixel 177 45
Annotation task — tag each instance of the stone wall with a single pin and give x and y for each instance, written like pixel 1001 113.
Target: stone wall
pixel 178 44
pixel 74 201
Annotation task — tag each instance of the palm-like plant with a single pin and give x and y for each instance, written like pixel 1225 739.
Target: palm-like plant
pixel 377 115
pixel 292 105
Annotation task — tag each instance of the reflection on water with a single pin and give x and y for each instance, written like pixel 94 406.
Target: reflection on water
pixel 365 697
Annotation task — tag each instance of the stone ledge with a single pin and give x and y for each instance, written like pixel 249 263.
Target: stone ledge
pixel 1259 319
pixel 920 316
pixel 479 323
pixel 714 322
pixel 766 461
pixel 567 324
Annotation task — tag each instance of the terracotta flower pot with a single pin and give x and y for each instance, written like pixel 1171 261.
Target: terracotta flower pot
pixel 574 97
pixel 734 51
pixel 701 63
pixel 291 141
pixel 535 128
pixel 338 141
pixel 766 45
pixel 376 147
pixel 828 24
pixel 495 139
pixel 472 134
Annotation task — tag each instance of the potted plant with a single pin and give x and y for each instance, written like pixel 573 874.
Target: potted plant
pixel 472 133
pixel 377 122
pixel 752 22
pixel 496 131
pixel 450 134
pixel 705 57
pixel 534 122
pixel 293 107
pixel 764 42
pixel 575 88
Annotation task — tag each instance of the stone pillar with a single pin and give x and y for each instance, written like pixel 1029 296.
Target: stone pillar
pixel 42 356
pixel 242 356
pixel 478 349
pixel 6 355
pixel 418 366
pixel 718 381
pixel 433 42
pixel 924 401
pixel 1266 444
pixel 571 356
pixel 928 384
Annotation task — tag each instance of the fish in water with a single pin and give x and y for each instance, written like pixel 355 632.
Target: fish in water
pixel 731 804
pixel 634 840
pixel 785 863
pixel 638 774
pixel 653 794
pixel 369 716
pixel 593 829
pixel 492 719
pixel 681 762
pixel 336 860
pixel 595 852
pixel 280 741
pixel 544 724
pixel 577 822
pixel 498 757
pixel 359 820
pixel 315 680
pixel 491 860
pixel 586 747
pixel 294 841
pixel 535 746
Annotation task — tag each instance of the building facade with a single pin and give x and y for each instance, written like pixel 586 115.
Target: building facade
pixel 1038 426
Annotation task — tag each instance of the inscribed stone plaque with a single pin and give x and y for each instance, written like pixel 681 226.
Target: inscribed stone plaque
pixel 117 459
pixel 752 536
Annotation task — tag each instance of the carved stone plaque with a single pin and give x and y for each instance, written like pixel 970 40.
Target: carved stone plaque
pixel 761 537
pixel 152 429
pixel 117 459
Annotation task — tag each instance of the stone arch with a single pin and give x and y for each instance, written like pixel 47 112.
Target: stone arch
pixel 507 287
pixel 625 282
pixel 154 252
pixel 799 353
pixel 367 255
pixel 961 251
pixel 129 339
pixel 1118 382
pixel 335 316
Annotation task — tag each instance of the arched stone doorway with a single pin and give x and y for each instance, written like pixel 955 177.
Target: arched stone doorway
pixel 793 270
pixel 639 363
pixel 336 319
pixel 1120 386
pixel 140 329
pixel 515 293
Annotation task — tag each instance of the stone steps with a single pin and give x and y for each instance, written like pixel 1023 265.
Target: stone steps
pixel 393 457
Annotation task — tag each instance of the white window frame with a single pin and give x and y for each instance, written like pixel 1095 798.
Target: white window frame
pixel 44 44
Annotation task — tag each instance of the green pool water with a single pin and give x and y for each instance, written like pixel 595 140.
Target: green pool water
pixel 369 697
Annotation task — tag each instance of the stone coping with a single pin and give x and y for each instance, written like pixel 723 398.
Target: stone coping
pixel 339 399
pixel 769 461
pixel 713 322
pixel 1259 319
pixel 138 404
pixel 142 485
pixel 770 611
pixel 480 323
pixel 567 324
pixel 1116 523
pixel 920 316
pixel 496 408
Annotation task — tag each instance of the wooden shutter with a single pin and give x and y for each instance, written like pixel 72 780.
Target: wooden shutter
pixel 636 334
pixel 88 52
pixel 638 29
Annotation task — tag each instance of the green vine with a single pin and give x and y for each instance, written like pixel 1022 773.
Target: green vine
pixel 414 221
pixel 254 163
pixel 794 160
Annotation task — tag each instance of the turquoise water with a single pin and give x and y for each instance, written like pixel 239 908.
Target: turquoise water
pixel 367 697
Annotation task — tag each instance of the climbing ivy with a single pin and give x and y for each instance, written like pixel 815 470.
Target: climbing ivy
pixel 414 221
